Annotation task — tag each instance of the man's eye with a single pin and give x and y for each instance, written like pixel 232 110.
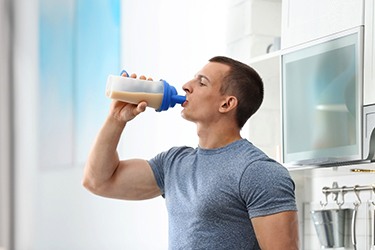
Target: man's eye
pixel 202 82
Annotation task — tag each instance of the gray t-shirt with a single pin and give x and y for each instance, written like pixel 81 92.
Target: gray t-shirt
pixel 211 194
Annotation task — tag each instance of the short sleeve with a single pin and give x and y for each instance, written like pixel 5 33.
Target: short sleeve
pixel 267 188
pixel 156 164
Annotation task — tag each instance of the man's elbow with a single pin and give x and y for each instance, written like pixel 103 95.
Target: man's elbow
pixel 88 184
pixel 92 185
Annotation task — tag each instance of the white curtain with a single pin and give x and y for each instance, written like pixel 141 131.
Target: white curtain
pixel 6 124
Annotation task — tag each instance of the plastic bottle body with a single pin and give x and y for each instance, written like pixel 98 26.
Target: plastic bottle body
pixel 158 94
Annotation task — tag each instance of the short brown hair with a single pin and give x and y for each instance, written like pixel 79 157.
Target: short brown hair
pixel 245 84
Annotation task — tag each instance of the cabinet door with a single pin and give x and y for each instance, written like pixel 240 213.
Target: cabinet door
pixel 305 20
pixel 369 54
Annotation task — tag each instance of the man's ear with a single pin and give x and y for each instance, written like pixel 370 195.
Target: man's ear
pixel 228 104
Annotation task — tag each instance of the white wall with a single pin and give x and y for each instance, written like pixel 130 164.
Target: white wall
pixel 161 39
pixel 173 44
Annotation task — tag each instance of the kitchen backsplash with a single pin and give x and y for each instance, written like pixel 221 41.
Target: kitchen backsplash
pixel 309 185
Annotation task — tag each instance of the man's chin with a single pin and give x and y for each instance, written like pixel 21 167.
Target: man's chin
pixel 186 116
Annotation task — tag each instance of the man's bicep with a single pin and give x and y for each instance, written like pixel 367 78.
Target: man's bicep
pixel 133 180
pixel 277 231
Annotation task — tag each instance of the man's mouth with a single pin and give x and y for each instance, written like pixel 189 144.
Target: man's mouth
pixel 185 103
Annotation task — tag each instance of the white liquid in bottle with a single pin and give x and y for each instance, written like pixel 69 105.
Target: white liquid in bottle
pixel 153 100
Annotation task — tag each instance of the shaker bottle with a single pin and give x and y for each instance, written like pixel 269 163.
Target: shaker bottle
pixel 158 94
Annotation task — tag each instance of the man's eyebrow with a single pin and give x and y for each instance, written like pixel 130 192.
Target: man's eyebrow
pixel 202 76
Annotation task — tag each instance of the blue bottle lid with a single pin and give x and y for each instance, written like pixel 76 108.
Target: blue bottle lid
pixel 170 97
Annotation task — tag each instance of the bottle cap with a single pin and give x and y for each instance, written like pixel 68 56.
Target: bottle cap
pixel 170 97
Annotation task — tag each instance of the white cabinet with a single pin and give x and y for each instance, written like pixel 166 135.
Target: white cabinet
pixel 307 20
pixel 252 26
pixel 304 21
pixel 264 128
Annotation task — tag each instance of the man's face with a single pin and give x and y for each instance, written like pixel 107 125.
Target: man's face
pixel 203 97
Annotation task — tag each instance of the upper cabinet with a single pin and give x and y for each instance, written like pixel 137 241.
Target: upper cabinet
pixel 255 28
pixel 304 21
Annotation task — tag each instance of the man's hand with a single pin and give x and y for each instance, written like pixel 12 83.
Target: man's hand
pixel 125 112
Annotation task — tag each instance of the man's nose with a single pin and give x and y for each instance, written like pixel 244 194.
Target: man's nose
pixel 187 87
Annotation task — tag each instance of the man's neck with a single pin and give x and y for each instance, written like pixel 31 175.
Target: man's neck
pixel 217 136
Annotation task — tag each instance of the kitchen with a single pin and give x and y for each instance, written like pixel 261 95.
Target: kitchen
pixel 47 191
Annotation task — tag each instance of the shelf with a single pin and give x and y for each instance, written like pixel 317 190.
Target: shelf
pixel 265 57
pixel 364 168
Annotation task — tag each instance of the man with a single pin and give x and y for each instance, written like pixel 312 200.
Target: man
pixel 224 194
